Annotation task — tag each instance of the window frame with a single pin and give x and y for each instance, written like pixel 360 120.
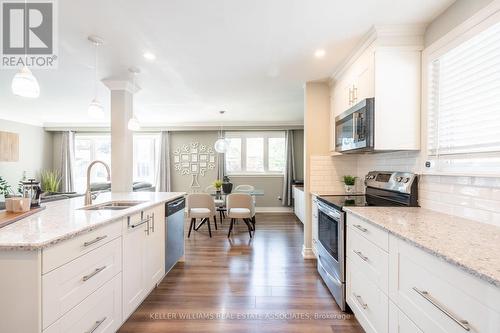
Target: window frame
pixel 266 135
pixel 478 23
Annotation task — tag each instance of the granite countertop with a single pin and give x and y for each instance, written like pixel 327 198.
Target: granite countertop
pixel 63 219
pixel 472 246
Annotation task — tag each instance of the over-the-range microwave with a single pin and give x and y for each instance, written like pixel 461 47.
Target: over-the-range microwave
pixel 354 128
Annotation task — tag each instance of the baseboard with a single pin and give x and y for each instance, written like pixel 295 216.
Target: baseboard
pixel 273 209
pixel 308 253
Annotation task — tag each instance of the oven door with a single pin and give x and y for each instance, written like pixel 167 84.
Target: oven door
pixel 354 128
pixel 331 236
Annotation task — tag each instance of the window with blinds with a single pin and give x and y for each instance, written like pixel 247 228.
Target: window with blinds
pixel 464 104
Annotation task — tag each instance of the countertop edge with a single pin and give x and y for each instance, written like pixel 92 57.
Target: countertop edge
pixel 443 257
pixel 125 212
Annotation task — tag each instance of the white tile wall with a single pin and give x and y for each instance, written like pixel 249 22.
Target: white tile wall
pixel 476 198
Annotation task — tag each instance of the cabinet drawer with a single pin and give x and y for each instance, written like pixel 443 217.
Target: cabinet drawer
pixel 368 258
pixel 374 234
pixel 399 322
pixel 66 251
pixel 369 303
pixel 68 285
pixel 100 312
pixel 438 296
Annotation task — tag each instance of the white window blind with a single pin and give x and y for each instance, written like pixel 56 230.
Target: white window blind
pixel 463 125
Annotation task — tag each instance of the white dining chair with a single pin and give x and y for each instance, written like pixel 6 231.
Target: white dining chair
pixel 241 206
pixel 201 206
pixel 246 188
pixel 219 202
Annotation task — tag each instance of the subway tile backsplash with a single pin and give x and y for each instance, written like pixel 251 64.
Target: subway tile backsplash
pixel 476 198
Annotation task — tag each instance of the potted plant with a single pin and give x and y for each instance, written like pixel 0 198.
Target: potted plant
pixel 5 188
pixel 50 181
pixel 349 182
pixel 227 186
pixel 218 185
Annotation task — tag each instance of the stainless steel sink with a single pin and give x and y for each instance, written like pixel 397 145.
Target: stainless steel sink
pixel 113 205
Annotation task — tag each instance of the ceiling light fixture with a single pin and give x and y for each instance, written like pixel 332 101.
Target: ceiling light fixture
pixel 95 109
pixel 24 83
pixel 320 53
pixel 222 144
pixel 133 123
pixel 149 56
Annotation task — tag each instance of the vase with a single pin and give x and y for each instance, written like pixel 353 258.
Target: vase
pixel 227 187
pixel 349 189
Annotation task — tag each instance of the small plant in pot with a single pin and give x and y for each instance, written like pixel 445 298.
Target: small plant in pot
pixel 50 181
pixel 349 182
pixel 5 188
pixel 218 185
pixel 227 186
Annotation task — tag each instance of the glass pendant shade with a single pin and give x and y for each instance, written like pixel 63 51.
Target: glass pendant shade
pixel 25 84
pixel 133 124
pixel 96 110
pixel 221 145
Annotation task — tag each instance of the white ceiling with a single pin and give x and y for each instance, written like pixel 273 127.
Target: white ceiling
pixel 247 57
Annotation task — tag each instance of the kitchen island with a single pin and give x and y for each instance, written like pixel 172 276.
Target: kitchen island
pixel 75 268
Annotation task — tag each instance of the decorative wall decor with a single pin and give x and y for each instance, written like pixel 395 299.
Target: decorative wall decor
pixel 194 159
pixel 9 147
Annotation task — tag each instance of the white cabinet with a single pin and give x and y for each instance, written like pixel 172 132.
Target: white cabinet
pixel 314 221
pixel 387 67
pixel 299 203
pixel 394 286
pixel 143 256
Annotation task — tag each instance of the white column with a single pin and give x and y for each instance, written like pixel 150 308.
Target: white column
pixel 122 97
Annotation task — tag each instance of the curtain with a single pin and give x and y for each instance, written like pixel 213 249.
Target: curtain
pixel 221 162
pixel 163 175
pixel 67 158
pixel 289 169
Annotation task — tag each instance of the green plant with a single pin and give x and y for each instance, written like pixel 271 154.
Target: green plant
pixel 50 180
pixel 218 184
pixel 349 180
pixel 4 187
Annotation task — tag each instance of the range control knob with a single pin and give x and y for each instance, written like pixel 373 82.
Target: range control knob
pixel 399 179
pixel 406 180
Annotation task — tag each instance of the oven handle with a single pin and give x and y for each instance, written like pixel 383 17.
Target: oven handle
pixel 333 213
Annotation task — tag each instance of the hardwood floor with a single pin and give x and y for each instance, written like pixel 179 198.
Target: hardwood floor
pixel 238 285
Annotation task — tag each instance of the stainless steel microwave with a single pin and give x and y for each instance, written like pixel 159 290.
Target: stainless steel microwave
pixel 354 128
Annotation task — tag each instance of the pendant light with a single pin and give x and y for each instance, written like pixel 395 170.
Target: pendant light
pixel 95 109
pixel 221 145
pixel 133 123
pixel 24 83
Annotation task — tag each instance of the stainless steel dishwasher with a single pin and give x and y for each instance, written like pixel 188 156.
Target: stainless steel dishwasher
pixel 174 229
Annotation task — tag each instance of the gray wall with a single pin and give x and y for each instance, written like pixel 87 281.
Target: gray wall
pixel 272 186
pixel 35 152
pixel 457 13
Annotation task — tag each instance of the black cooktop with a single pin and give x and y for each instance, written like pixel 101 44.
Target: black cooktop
pixel 340 201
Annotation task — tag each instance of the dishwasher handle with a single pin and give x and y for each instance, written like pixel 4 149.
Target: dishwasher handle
pixel 173 207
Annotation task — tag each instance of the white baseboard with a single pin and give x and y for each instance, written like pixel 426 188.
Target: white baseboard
pixel 273 209
pixel 307 253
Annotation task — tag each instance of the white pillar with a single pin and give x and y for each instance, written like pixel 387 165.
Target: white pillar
pixel 122 97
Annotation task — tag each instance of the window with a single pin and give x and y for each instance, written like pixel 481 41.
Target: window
pixel 90 147
pixel 255 153
pixel 463 109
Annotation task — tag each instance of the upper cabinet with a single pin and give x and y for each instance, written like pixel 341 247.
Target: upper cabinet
pixel 386 67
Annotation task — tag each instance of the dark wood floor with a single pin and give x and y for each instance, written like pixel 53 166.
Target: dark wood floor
pixel 238 285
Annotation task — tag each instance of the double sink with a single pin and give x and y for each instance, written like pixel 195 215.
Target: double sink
pixel 113 205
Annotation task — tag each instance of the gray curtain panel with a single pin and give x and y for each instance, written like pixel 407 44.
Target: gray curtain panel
pixel 289 169
pixel 163 178
pixel 67 160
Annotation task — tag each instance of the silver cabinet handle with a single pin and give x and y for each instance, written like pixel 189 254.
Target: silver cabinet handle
pixel 425 294
pixel 141 222
pixel 96 271
pixel 97 239
pixel 360 301
pixel 357 226
pixel 361 255
pixel 96 325
pixel 152 218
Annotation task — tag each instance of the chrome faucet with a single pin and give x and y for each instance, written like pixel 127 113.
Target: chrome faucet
pixel 88 193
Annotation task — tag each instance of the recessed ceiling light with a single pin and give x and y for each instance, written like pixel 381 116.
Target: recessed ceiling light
pixel 320 53
pixel 149 56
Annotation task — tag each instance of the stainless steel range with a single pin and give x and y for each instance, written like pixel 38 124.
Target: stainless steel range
pixel 382 189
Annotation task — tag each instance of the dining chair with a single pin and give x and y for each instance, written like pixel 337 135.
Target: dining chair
pixel 241 206
pixel 219 202
pixel 246 188
pixel 201 206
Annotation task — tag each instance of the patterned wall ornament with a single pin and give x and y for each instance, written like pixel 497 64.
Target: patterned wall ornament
pixel 194 159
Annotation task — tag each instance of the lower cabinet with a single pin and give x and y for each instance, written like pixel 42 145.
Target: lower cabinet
pixel 396 287
pixel 299 203
pixel 143 256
